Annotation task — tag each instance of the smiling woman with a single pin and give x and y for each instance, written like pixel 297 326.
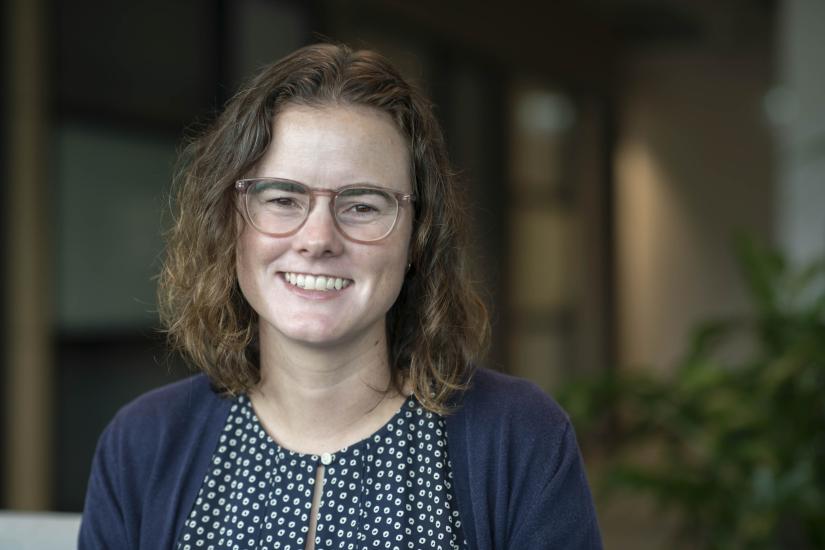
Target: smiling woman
pixel 347 147
pixel 315 274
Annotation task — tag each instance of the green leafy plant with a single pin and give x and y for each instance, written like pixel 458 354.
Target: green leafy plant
pixel 733 442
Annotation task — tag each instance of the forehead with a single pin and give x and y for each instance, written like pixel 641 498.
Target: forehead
pixel 335 145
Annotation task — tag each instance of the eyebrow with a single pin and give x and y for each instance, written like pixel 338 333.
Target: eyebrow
pixel 354 184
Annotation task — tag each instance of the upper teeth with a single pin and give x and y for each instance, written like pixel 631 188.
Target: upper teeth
pixel 316 282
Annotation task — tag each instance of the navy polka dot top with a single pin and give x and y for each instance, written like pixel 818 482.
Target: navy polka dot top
pixel 392 490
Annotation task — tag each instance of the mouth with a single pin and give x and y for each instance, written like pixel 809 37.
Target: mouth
pixel 323 283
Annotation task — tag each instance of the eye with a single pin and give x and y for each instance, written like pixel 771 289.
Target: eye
pixel 363 204
pixel 283 202
pixel 363 208
pixel 280 196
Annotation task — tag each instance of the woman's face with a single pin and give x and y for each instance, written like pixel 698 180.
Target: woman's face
pixel 328 147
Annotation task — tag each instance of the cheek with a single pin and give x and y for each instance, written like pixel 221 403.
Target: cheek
pixel 250 253
pixel 242 270
pixel 406 231
pixel 395 262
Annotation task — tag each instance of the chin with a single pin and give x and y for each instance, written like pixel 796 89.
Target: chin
pixel 324 335
pixel 318 336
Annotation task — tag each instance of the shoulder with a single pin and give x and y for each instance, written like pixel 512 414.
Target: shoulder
pixel 497 399
pixel 149 463
pixel 160 434
pixel 500 417
pixel 169 402
pixel 185 395
pixel 518 471
pixel 165 414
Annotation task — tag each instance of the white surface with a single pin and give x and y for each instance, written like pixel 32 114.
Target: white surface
pixel 38 531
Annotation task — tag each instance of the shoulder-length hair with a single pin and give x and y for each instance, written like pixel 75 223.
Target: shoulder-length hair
pixel 438 325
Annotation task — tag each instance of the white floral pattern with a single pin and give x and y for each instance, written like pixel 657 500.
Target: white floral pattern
pixel 392 490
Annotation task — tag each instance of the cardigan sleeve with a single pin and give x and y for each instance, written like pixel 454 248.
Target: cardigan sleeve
pixel 103 524
pixel 561 515
pixel 519 476
pixel 149 464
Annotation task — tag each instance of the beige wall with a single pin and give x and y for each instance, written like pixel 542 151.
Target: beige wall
pixel 693 166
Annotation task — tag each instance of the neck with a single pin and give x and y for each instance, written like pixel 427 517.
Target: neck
pixel 317 400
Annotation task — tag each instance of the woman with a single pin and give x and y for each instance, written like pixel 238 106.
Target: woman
pixel 315 273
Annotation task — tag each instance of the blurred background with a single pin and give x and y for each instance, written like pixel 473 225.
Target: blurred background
pixel 612 150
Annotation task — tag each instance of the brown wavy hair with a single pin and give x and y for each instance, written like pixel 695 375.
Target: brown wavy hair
pixel 438 325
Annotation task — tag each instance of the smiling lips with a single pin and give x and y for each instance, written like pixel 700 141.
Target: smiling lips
pixel 316 282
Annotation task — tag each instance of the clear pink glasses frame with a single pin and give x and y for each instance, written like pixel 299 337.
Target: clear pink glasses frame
pixel 243 185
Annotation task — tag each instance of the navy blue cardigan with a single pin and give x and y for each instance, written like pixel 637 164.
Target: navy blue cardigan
pixel 518 474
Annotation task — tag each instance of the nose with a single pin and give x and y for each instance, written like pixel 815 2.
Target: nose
pixel 318 237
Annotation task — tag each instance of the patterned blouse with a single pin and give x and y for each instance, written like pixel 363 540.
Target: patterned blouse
pixel 392 490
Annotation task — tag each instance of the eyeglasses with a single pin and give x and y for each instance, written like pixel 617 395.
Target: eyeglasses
pixel 280 207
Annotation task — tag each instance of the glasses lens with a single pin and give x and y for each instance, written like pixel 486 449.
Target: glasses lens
pixel 277 207
pixel 366 214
